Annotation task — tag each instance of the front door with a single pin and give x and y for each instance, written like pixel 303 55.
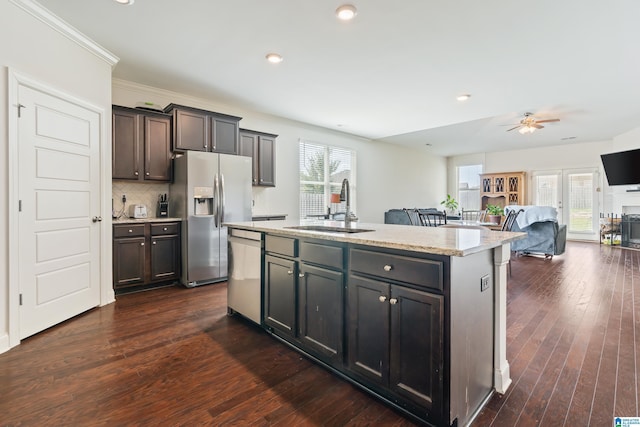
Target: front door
pixel 58 224
pixel 573 193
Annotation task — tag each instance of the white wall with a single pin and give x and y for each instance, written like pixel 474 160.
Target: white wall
pixel 567 156
pixel 387 176
pixel 34 49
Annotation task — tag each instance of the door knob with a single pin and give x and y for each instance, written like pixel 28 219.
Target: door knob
pixel 382 298
pixel 393 301
pixel 289 272
pixel 96 219
pixel 301 275
pixel 388 267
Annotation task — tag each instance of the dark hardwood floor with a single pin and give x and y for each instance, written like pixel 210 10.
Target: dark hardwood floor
pixel 171 356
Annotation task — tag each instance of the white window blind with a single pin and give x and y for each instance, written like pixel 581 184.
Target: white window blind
pixel 322 169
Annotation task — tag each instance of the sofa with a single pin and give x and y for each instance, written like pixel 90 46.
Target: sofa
pixel 544 234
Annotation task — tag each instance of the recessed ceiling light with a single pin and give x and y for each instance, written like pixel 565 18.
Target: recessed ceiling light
pixel 346 12
pixel 463 97
pixel 127 2
pixel 274 58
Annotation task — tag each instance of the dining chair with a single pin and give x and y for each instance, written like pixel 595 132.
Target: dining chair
pixel 473 215
pixel 429 218
pixel 411 213
pixel 508 225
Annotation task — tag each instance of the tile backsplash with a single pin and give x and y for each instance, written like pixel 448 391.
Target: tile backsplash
pixel 137 193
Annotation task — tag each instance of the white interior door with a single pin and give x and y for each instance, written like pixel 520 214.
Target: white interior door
pixel 59 192
pixel 573 193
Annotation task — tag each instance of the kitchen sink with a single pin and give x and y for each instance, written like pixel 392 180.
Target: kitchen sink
pixel 329 228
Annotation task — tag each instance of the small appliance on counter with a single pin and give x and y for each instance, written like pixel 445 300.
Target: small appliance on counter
pixel 163 206
pixel 137 211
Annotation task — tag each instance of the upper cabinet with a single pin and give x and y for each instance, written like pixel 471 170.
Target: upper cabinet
pixel 201 130
pixel 503 189
pixel 261 147
pixel 141 145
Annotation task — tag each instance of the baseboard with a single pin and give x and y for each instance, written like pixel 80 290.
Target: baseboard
pixel 4 343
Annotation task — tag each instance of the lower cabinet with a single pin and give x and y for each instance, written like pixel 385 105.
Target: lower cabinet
pixel 375 316
pixel 320 311
pixel 145 254
pixel 396 340
pixel 280 294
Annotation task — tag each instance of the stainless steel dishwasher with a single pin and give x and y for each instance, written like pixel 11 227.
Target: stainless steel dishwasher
pixel 243 284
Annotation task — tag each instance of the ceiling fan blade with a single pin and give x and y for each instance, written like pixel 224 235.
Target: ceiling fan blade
pixel 547 120
pixel 536 125
pixel 513 128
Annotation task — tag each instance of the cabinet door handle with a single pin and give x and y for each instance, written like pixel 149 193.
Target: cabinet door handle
pixel 382 298
pixel 301 275
pixel 388 267
pixel 164 229
pixel 289 272
pixel 130 231
pixel 154 242
pixel 142 244
pixel 393 301
pixel 147 173
pixel 136 173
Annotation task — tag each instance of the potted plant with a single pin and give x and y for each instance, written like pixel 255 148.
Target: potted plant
pixel 450 204
pixel 495 212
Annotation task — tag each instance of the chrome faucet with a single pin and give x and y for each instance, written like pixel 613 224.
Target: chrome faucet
pixel 345 195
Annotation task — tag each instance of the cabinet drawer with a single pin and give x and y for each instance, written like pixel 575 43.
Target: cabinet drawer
pixel 326 255
pixel 281 245
pixel 128 230
pixel 165 228
pixel 417 271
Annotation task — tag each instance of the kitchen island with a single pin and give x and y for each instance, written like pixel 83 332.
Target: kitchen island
pixel 414 315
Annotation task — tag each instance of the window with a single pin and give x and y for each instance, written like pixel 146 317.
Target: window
pixel 469 187
pixel 322 169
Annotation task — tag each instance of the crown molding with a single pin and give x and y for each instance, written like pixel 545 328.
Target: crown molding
pixel 36 10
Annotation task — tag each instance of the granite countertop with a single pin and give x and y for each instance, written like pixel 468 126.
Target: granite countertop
pixel 143 220
pixel 434 240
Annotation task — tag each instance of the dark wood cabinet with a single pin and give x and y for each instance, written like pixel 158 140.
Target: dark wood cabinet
pixel 145 254
pixel 320 311
pixel 141 145
pixel 304 295
pixel 191 130
pixel 396 332
pixel 128 261
pixel 260 147
pixel 280 294
pixel 202 130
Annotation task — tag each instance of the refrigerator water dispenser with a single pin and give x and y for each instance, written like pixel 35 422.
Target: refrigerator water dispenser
pixel 203 200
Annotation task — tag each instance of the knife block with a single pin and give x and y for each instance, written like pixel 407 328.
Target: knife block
pixel 163 210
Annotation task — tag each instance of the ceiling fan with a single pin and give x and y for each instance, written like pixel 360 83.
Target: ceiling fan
pixel 529 124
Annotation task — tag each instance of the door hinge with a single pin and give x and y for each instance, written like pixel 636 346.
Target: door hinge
pixel 20 107
pixel 20 299
pixel 19 205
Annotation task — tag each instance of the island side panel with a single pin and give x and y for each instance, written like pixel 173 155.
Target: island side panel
pixel 472 334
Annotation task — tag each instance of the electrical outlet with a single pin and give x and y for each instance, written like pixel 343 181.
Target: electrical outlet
pixel 484 283
pixel 124 199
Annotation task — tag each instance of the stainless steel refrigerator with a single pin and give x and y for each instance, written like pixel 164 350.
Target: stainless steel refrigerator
pixel 208 190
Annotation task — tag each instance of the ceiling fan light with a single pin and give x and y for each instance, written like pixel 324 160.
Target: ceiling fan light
pixel 126 2
pixel 346 12
pixel 274 58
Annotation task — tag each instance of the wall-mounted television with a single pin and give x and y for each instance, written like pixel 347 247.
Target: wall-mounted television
pixel 622 168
